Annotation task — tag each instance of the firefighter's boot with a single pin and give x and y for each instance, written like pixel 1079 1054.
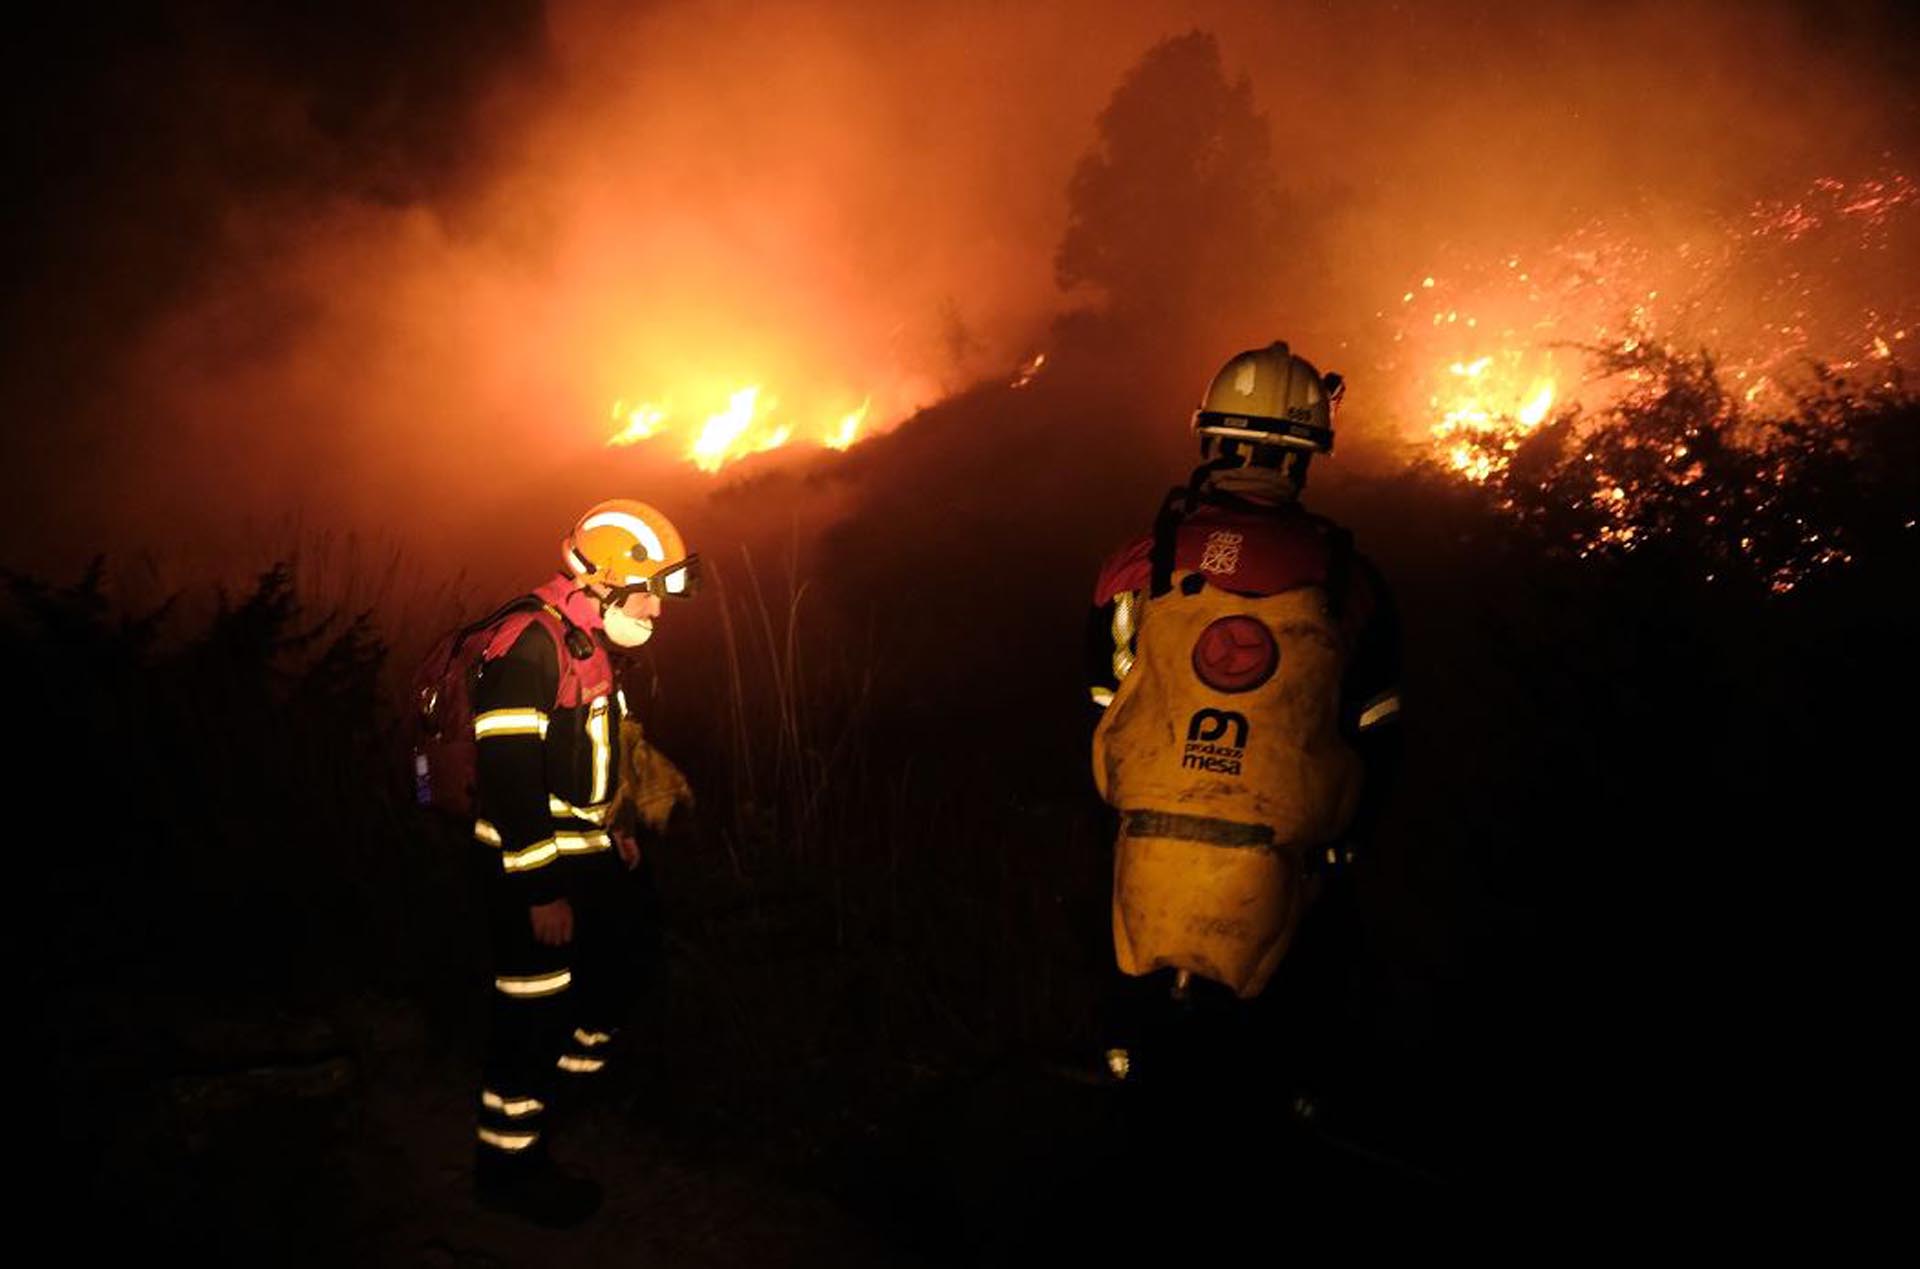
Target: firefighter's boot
pixel 532 1186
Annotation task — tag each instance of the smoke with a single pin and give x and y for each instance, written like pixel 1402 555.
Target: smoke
pixel 392 273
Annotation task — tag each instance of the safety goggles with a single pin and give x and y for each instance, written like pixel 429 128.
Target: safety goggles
pixel 679 582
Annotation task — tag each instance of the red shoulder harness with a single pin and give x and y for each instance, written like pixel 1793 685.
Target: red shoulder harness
pixel 1249 553
pixel 581 678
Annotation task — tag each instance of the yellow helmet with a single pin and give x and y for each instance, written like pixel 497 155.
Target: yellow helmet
pixel 630 546
pixel 1271 397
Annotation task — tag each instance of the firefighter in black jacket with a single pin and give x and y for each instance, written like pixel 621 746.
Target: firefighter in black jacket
pixel 547 721
pixel 1246 659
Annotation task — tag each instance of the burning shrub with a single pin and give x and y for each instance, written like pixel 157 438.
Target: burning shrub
pixel 1680 463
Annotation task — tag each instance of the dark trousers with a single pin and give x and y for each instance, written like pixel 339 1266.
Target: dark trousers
pixel 554 1011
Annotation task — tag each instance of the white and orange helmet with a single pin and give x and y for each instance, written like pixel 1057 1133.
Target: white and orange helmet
pixel 630 546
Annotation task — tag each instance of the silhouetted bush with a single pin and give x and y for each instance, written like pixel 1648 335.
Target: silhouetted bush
pixel 241 778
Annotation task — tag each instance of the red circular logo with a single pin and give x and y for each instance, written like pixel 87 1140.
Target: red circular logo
pixel 1235 654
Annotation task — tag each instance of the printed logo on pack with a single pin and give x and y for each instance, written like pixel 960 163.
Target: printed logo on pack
pixel 1221 554
pixel 1235 654
pixel 1216 742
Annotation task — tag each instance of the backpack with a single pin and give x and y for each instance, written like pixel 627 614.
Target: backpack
pixel 445 754
pixel 1223 752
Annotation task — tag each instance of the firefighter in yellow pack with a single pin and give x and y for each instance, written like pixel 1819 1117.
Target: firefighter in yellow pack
pixel 1245 657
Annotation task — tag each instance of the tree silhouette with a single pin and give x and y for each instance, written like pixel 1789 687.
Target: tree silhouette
pixel 1175 209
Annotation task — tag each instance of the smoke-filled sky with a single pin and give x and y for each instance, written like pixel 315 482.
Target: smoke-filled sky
pixel 387 271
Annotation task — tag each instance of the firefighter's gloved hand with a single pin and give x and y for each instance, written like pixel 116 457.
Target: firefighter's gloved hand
pixel 660 791
pixel 553 923
pixel 651 786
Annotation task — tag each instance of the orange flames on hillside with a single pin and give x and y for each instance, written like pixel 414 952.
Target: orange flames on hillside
pixel 727 426
pixel 750 423
pixel 1678 374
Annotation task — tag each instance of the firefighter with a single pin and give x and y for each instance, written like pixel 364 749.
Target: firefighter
pixel 549 722
pixel 1245 658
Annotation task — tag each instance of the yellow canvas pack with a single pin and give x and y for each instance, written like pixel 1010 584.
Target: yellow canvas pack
pixel 1223 794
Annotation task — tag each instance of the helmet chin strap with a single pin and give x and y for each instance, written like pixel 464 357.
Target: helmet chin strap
pixel 583 585
pixel 1220 462
pixel 1264 484
pixel 621 630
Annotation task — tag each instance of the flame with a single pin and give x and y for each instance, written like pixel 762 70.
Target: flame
pixel 1534 412
pixel 643 422
pixel 1485 408
pixel 721 432
pixel 848 432
pixel 747 425
pixel 1029 371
